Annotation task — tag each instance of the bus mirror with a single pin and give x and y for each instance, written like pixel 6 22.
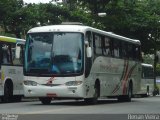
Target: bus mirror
pixel 89 52
pixel 17 53
pixel 86 43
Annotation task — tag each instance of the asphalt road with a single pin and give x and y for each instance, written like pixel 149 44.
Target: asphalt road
pixel 106 109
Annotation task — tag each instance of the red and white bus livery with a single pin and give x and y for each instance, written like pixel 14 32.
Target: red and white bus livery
pixel 80 62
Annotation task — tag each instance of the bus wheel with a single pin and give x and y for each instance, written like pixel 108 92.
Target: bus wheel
pixel 45 100
pixel 94 100
pixel 7 94
pixel 129 96
pixel 126 98
pixel 147 91
pixel 17 98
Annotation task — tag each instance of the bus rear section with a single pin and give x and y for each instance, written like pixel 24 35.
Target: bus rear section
pixel 147 80
pixel 11 69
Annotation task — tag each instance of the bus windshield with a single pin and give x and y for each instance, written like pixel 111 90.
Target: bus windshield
pixel 57 53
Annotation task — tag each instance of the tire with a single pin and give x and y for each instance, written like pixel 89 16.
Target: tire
pixel 128 97
pixel 144 95
pixel 154 93
pixel 8 93
pixel 147 91
pixel 45 100
pixel 17 98
pixel 94 100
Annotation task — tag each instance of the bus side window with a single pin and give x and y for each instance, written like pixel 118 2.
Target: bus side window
pixel 98 44
pixel 1 55
pixel 124 50
pixel 22 54
pixel 130 51
pixel 14 59
pixel 6 54
pixel 136 52
pixel 116 48
pixel 106 46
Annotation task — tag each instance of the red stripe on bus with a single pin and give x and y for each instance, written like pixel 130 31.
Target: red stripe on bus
pixel 50 80
pixel 122 77
pixel 126 79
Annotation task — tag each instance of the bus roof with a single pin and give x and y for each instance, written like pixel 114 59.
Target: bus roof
pixel 79 28
pixel 11 39
pixel 146 65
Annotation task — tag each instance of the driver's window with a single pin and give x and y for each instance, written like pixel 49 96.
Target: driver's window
pixel 88 61
pixel 89 38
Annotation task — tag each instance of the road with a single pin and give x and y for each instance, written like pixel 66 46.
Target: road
pixel 150 105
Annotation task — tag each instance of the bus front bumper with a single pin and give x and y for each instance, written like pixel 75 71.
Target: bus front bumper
pixel 61 91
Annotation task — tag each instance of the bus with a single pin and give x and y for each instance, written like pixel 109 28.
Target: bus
pixel 11 69
pixel 147 81
pixel 80 62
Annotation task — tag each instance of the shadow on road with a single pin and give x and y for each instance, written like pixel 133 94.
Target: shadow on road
pixel 82 103
pixel 79 102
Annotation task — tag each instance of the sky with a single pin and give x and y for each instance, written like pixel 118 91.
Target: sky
pixel 36 1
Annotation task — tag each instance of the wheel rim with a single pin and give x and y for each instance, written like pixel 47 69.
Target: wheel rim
pixel 129 93
pixel 96 92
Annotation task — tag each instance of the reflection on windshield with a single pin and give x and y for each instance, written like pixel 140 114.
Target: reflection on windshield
pixel 54 53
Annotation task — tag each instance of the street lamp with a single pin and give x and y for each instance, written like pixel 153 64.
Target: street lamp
pixel 101 14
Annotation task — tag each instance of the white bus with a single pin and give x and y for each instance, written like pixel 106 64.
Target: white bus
pixel 11 69
pixel 147 81
pixel 80 62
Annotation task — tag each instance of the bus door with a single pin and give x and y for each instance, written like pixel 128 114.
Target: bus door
pixel 18 53
pixel 88 58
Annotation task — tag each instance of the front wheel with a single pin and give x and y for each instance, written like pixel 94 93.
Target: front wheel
pixel 93 100
pixel 17 98
pixel 45 100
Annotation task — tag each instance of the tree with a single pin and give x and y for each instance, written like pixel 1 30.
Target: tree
pixel 132 18
pixel 10 19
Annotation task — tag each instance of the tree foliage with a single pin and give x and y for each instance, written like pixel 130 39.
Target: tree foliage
pixel 137 19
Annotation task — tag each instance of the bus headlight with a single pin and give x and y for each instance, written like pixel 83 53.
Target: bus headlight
pixel 30 83
pixel 73 83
